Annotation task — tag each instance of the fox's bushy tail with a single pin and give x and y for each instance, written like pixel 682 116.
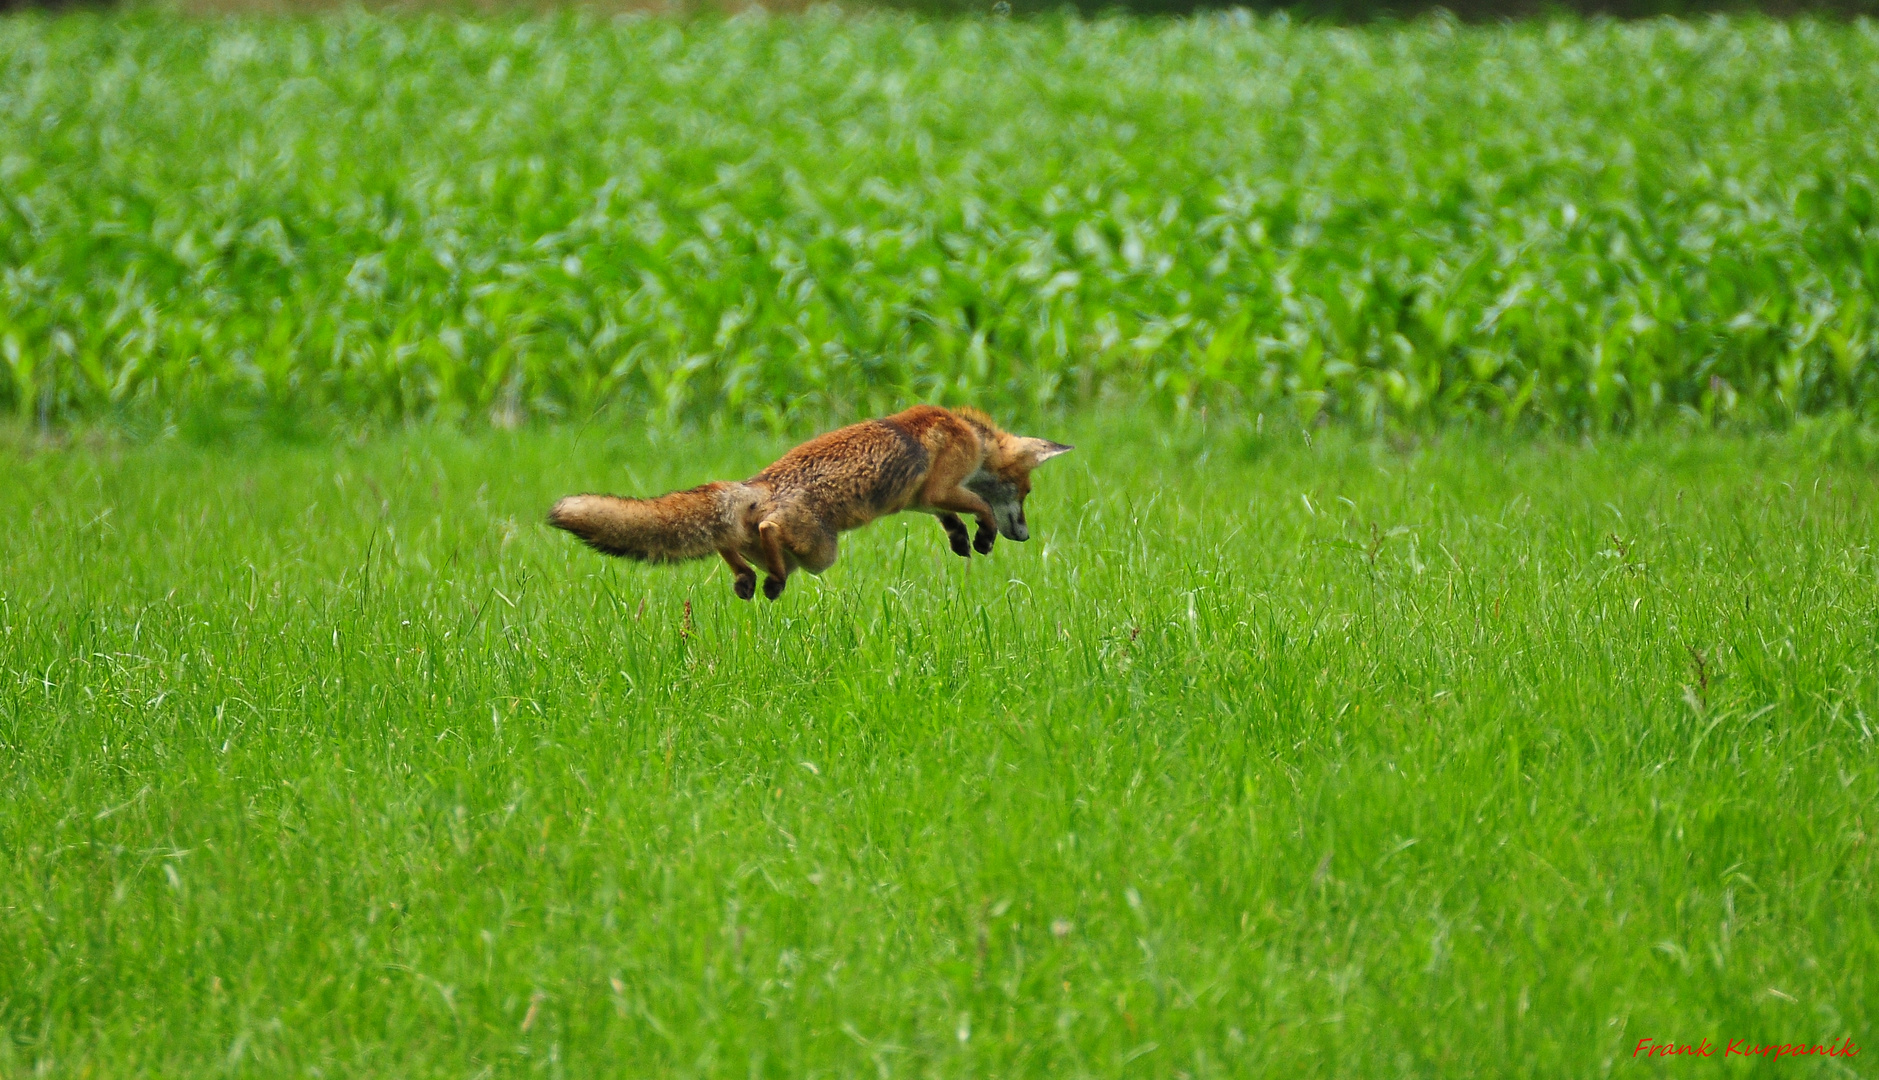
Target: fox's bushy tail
pixel 671 528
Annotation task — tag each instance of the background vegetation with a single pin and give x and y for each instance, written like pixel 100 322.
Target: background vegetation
pixel 781 222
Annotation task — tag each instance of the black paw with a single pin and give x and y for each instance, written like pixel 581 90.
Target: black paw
pixel 744 587
pixel 961 546
pixel 982 543
pixel 773 587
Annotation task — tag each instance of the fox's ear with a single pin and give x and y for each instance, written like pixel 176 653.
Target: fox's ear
pixel 1037 451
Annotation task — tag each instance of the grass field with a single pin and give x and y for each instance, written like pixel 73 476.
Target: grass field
pixel 777 222
pixel 1351 712
pixel 1268 755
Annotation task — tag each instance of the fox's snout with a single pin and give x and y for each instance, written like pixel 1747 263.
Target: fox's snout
pixel 1010 517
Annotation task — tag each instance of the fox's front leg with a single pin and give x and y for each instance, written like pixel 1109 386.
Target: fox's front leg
pixel 956 535
pixel 770 537
pixel 964 501
pixel 744 579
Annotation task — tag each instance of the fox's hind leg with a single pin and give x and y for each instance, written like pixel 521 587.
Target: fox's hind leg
pixel 956 534
pixel 794 541
pixel 743 579
pixel 770 537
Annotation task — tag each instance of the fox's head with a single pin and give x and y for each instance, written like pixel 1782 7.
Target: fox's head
pixel 1004 479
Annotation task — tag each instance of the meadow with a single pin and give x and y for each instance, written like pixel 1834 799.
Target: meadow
pixel 776 222
pixel 1271 754
pixel 1452 649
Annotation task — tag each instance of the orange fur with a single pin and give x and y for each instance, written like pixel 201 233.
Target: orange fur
pixel 937 461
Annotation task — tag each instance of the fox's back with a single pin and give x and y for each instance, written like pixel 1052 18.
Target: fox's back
pixel 852 475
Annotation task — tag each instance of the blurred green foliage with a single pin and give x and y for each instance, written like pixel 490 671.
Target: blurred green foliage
pixel 779 221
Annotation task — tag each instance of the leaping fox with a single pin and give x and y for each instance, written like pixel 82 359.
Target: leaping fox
pixel 943 462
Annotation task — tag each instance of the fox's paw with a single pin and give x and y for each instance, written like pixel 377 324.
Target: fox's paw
pixel 982 543
pixel 744 587
pixel 956 535
pixel 773 587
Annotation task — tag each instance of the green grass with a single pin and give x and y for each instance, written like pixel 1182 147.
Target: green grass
pixel 1267 756
pixel 1561 224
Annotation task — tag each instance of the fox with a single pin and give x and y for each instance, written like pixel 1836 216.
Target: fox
pixel 927 459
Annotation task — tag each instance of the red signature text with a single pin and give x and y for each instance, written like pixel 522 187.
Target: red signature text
pixel 1744 1048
